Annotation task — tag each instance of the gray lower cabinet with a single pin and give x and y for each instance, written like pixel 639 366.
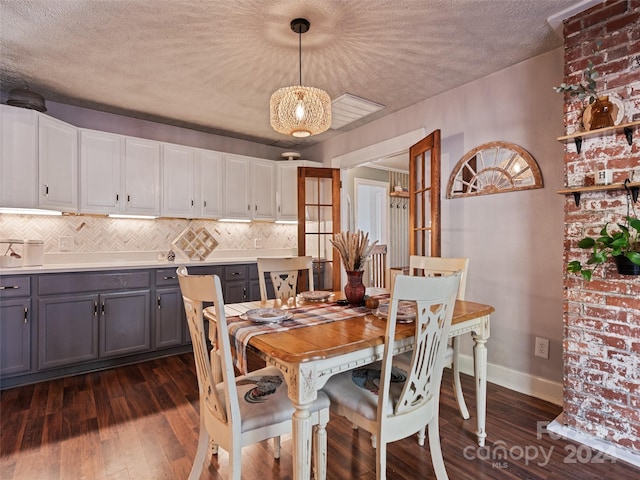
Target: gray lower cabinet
pixel 15 336
pixel 15 325
pixel 125 323
pixel 67 330
pixel 169 317
pixel 90 316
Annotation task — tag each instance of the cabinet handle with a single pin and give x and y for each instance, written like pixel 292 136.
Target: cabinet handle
pixel 248 208
pixel 128 198
pixel 169 278
pixel 95 309
pixel 235 273
pixel 102 309
pixel 192 203
pixel 117 197
pixel 26 312
pixel 256 208
pixel 9 287
pixel 244 293
pixel 158 300
pixel 205 204
pixel 46 190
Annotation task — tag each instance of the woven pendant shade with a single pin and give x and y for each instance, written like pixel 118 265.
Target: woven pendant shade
pixel 300 111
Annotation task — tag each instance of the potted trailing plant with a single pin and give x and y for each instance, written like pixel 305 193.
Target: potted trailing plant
pixel 622 245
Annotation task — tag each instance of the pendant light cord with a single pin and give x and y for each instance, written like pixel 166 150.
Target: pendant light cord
pixel 300 54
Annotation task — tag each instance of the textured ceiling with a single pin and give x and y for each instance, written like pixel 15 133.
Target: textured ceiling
pixel 212 65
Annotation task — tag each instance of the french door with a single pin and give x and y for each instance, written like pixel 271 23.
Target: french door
pixel 424 196
pixel 318 221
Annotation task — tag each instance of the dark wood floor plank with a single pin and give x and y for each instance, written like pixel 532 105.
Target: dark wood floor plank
pixel 141 422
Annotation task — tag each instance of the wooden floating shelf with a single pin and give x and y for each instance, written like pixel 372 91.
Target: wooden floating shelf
pixel 627 128
pixel 399 194
pixel 576 191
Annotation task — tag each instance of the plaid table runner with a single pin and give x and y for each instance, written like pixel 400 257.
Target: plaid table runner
pixel 242 331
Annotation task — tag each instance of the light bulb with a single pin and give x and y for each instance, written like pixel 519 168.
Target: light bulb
pixel 300 111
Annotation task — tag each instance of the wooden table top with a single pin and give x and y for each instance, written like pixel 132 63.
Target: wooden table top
pixel 338 338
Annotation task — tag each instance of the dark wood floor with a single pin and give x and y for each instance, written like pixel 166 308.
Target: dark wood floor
pixel 141 422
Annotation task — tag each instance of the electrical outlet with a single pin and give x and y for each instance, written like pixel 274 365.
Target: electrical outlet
pixel 257 243
pixel 66 244
pixel 542 347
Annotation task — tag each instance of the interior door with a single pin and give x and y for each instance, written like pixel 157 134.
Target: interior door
pixel 318 221
pixel 424 196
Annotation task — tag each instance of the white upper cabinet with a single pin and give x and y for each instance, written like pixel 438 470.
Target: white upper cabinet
pixel 142 176
pixel 57 164
pixel 100 172
pixel 263 189
pixel 178 184
pixel 210 183
pixel 192 182
pixel 249 188
pixel 287 189
pixel 237 204
pixel 18 157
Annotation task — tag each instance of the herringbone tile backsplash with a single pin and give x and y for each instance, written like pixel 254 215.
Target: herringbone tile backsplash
pixel 99 234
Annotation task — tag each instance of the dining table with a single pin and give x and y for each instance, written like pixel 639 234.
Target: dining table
pixel 321 338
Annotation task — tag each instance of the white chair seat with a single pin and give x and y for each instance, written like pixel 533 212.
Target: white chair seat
pixel 263 399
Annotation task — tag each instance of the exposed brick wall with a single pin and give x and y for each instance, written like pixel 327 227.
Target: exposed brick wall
pixel 602 317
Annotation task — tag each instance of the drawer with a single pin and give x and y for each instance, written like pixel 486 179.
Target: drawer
pixel 15 286
pixel 166 277
pixel 236 272
pixel 92 282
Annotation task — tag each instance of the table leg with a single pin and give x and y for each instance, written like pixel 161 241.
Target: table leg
pixel 480 372
pixel 301 433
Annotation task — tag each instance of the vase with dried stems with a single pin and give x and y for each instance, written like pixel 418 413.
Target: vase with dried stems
pixel 354 249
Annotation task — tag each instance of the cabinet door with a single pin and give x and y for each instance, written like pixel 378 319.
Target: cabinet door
pixel 178 196
pixel 170 317
pixel 100 159
pixel 236 187
pixel 209 183
pixel 263 189
pixel 142 176
pixel 287 191
pixel 67 330
pixel 18 157
pixel 124 323
pixel 236 292
pixel 57 164
pixel 15 336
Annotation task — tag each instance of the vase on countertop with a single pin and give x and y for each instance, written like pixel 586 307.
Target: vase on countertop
pixel 354 289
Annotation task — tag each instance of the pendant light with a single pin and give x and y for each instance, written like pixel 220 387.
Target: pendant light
pixel 297 110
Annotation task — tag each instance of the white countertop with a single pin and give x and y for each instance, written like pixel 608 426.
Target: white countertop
pixel 104 261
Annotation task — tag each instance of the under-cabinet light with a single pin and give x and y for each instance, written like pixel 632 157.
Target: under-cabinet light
pixel 139 217
pixel 238 220
pixel 29 211
pixel 287 222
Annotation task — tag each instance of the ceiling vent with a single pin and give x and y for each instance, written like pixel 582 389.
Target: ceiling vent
pixel 348 108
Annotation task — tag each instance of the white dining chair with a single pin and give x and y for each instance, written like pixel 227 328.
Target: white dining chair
pixel 238 411
pixel 284 273
pixel 434 266
pixel 393 404
pixel 375 269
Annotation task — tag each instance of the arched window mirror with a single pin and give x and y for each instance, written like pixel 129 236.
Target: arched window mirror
pixel 494 167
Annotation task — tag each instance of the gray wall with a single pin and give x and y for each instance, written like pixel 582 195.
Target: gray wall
pixel 514 240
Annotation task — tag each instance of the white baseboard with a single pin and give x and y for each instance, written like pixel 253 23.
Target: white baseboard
pixel 558 427
pixel 520 382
